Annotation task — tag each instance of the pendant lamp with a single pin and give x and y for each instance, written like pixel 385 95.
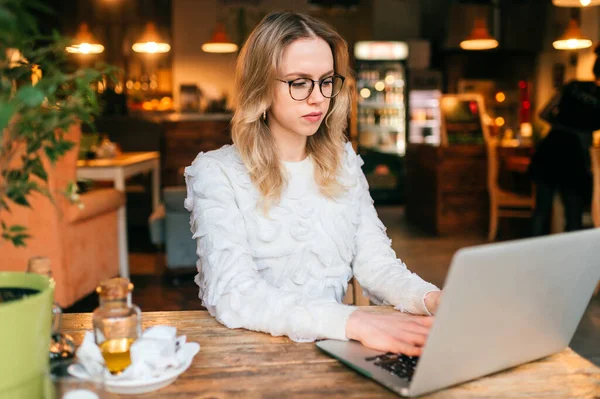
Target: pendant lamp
pixel 576 3
pixel 151 42
pixel 219 42
pixel 572 39
pixel 85 43
pixel 479 38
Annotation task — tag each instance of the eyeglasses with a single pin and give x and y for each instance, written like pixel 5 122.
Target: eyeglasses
pixel 301 88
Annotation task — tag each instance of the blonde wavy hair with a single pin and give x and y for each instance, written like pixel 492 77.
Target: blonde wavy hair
pixel 256 73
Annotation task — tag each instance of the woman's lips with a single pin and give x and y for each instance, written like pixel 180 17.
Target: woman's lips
pixel 313 116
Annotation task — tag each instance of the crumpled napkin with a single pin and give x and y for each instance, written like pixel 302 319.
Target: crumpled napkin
pixel 155 351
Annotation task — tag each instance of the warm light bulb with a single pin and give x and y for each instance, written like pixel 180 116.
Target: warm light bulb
pixel 500 97
pixel 479 44
pixel 379 86
pixel 585 3
pixel 572 44
pixel 221 48
pixel 365 93
pixel 499 121
pixel 151 47
pixel 390 79
pixel 85 48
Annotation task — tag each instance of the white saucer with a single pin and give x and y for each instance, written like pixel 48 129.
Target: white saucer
pixel 133 387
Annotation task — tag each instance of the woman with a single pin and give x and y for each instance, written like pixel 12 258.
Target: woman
pixel 561 162
pixel 283 218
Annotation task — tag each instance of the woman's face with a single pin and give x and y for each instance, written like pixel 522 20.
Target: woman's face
pixel 304 58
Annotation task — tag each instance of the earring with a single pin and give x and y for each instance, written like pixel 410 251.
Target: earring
pixel 265 115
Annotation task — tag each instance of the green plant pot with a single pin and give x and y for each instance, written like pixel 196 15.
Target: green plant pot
pixel 25 329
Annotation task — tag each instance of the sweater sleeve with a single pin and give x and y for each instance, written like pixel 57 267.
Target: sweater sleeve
pixel 231 287
pixel 384 278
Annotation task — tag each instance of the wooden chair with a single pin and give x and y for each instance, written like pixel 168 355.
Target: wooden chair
pixel 503 203
pixel 595 156
pixel 354 295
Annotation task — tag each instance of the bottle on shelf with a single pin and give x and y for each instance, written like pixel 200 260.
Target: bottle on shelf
pixel 377 117
pixel 370 117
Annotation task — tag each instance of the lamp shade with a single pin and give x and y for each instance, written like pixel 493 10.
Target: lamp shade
pixel 573 39
pixel 479 38
pixel 219 42
pixel 85 43
pixel 151 42
pixel 576 3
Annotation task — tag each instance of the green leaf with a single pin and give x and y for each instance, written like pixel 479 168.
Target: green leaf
pixel 92 75
pixel 17 228
pixel 37 168
pixel 39 6
pixel 21 200
pixel 6 113
pixel 3 225
pixel 34 145
pixel 51 154
pixel 7 19
pixel 30 96
pixel 63 146
pixel 27 20
pixel 19 240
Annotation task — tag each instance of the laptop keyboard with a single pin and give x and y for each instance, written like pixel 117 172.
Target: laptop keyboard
pixel 400 365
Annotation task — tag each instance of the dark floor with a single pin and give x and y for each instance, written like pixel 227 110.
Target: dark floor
pixel 424 254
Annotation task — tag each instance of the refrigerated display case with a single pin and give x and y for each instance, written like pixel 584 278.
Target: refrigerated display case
pixel 425 126
pixel 425 121
pixel 381 121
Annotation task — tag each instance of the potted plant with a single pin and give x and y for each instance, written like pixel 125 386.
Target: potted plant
pixel 41 96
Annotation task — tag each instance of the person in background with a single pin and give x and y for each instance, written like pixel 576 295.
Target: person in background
pixel 561 163
pixel 283 219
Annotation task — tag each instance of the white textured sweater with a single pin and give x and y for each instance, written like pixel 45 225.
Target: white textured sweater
pixel 286 274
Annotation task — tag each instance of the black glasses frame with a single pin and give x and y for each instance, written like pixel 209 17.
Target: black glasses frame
pixel 312 87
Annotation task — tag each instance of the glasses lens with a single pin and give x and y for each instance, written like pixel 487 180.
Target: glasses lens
pixel 330 87
pixel 300 88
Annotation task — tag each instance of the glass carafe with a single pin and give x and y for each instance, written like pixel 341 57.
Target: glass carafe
pixel 117 323
pixel 61 345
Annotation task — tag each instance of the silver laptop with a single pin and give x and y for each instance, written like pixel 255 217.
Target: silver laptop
pixel 504 304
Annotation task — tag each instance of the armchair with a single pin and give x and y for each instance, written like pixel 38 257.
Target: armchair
pixel 81 242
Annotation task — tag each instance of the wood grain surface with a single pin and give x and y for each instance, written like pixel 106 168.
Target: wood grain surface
pixel 241 363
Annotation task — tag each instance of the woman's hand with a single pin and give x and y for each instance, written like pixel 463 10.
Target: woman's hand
pixel 389 332
pixel 432 301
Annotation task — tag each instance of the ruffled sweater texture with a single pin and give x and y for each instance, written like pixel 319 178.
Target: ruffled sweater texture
pixel 286 273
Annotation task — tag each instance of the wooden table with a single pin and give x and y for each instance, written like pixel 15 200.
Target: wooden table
pixel 117 170
pixel 240 363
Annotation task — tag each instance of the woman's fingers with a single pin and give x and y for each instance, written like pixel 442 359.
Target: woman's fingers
pixel 425 321
pixel 415 328
pixel 411 338
pixel 391 344
pixel 405 348
pixel 395 332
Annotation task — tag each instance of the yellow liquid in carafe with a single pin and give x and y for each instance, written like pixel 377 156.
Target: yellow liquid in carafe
pixel 116 354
